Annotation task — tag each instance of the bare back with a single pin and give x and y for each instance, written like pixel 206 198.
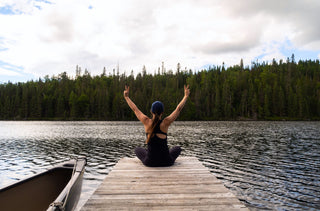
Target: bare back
pixel 163 127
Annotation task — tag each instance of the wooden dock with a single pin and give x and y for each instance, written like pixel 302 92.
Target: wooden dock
pixel 188 185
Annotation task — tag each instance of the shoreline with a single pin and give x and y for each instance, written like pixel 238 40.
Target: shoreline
pixel 276 119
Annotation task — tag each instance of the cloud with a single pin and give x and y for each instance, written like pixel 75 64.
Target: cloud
pixel 234 43
pixel 7 69
pixel 59 27
pixel 49 38
pixel 301 16
pixel 5 72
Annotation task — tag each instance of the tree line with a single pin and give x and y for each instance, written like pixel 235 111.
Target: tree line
pixel 279 90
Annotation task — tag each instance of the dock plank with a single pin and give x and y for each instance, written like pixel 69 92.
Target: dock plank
pixel 188 185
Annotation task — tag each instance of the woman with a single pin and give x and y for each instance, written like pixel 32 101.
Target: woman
pixel 158 153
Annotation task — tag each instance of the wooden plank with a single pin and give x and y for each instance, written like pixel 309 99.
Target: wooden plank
pixel 164 196
pixel 187 185
pixel 171 208
pixel 163 182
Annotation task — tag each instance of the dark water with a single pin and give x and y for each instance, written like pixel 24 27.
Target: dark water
pixel 267 165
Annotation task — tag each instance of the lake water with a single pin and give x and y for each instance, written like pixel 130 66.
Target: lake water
pixel 267 165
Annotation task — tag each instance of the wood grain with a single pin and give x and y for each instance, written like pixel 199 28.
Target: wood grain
pixel 187 185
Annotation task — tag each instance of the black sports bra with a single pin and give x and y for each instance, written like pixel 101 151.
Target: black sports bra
pixel 157 129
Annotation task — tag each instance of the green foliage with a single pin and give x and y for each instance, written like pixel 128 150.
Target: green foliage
pixel 284 90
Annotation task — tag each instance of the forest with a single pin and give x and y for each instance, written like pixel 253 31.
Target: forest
pixel 284 90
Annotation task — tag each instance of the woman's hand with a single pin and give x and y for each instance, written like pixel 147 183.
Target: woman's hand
pixel 143 118
pixel 174 115
pixel 126 91
pixel 186 90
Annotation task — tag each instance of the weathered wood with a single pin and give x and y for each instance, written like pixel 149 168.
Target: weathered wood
pixel 187 185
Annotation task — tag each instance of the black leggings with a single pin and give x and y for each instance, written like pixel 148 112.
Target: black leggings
pixel 142 155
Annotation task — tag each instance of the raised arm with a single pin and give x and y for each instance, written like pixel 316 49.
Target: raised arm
pixel 141 116
pixel 174 115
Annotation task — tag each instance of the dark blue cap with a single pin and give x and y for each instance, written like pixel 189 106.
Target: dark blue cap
pixel 157 107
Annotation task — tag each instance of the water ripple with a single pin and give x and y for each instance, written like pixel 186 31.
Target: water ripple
pixel 267 165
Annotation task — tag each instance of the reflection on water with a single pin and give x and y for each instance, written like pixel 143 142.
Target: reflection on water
pixel 268 165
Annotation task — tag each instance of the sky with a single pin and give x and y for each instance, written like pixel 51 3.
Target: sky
pixel 48 37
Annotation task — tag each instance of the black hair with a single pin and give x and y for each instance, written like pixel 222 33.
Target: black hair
pixel 155 121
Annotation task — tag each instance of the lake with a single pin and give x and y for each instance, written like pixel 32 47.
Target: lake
pixel 267 165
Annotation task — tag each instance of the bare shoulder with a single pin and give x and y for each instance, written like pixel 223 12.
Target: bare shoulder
pixel 146 123
pixel 168 121
pixel 164 126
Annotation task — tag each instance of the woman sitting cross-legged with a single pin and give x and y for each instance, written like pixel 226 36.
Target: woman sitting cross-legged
pixel 158 153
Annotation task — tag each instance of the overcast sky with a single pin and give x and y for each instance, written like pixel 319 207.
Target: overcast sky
pixel 48 37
